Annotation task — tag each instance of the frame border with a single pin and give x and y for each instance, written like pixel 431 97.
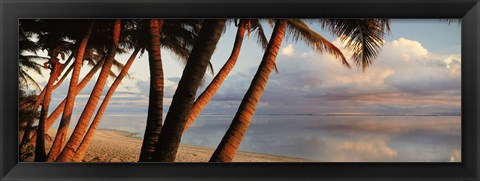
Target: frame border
pixel 468 10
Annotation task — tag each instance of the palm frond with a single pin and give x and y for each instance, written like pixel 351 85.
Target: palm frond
pixel 112 74
pixel 34 58
pixel 260 35
pixel 364 37
pixel 300 31
pixel 25 64
pixel 450 21
pixel 28 79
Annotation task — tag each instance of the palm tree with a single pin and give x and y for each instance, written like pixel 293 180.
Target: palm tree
pixel 55 37
pixel 155 103
pixel 40 154
pixel 180 45
pixel 209 92
pixel 36 104
pixel 364 39
pixel 80 129
pixel 55 44
pixel 94 60
pixel 59 109
pixel 184 96
pixel 28 58
pixel 58 83
pixel 226 152
pixel 177 36
pixel 67 113
pixel 80 152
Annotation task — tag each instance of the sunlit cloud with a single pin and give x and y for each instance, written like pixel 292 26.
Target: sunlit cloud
pixel 372 149
pixel 288 50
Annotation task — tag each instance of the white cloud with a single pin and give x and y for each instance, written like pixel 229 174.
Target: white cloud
pixel 405 78
pixel 288 50
pixel 372 149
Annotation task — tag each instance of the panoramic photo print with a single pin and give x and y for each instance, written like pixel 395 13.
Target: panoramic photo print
pixel 239 90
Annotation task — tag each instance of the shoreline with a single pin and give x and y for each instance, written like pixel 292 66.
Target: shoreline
pixel 110 145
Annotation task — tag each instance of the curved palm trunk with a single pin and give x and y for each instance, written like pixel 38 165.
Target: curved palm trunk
pixel 42 93
pixel 40 154
pixel 230 142
pixel 212 88
pixel 82 149
pixel 29 126
pixel 81 127
pixel 155 102
pixel 58 111
pixel 169 140
pixel 67 113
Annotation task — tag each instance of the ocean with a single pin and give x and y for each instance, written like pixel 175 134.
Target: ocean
pixel 327 138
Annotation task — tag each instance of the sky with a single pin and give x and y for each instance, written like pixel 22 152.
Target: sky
pixel 417 72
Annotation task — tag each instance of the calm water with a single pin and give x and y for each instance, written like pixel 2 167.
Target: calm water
pixel 328 138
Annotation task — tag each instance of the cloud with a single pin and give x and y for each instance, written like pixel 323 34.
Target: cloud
pixel 288 50
pixel 405 78
pixel 372 149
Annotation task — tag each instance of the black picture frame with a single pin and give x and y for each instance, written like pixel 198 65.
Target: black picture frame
pixel 468 10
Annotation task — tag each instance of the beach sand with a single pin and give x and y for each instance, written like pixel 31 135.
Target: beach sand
pixel 122 146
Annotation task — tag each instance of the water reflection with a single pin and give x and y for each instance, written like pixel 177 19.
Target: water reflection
pixel 327 138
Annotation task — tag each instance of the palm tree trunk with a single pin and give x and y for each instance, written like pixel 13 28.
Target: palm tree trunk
pixel 169 140
pixel 40 154
pixel 67 113
pixel 58 111
pixel 82 149
pixel 81 127
pixel 230 142
pixel 28 127
pixel 155 103
pixel 212 88
pixel 42 93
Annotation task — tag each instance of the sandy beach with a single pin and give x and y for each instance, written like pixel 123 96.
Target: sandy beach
pixel 122 146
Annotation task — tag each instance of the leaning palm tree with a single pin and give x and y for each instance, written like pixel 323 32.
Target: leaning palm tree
pixel 209 92
pixel 59 109
pixel 37 103
pixel 40 154
pixel 67 114
pixel 54 36
pixel 80 129
pixel 96 61
pixel 364 37
pixel 82 148
pixel 93 60
pixel 56 45
pixel 198 61
pixel 39 100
